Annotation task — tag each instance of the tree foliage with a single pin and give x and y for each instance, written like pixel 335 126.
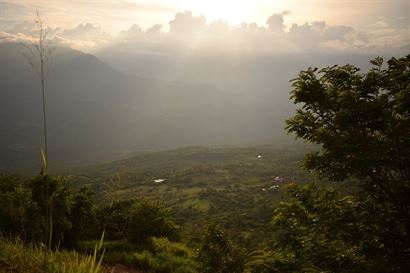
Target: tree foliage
pixel 362 123
pixel 149 219
pixel 23 206
pixel 218 254
pixel 326 231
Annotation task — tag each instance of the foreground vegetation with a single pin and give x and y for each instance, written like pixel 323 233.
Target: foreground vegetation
pixel 361 125
pixel 15 256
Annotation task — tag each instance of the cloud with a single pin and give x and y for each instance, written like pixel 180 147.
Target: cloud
pixel 185 23
pixel 189 34
pixel 133 32
pixel 25 32
pixel 85 37
pixel 84 32
pixel 322 36
pixel 218 27
pixel 155 29
pixel 341 33
pixel 30 28
pixel 25 27
pixel 275 22
pixel 8 37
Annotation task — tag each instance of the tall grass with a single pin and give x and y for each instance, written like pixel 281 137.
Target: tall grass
pixel 38 56
pixel 18 257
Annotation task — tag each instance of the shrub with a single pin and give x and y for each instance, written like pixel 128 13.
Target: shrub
pixel 149 219
pixel 218 254
pixel 160 256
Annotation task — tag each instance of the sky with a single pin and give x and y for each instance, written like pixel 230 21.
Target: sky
pixel 91 25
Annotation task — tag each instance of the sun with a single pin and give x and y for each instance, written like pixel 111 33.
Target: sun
pixel 231 11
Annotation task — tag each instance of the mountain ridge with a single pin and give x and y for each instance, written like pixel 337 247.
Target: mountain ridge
pixel 96 112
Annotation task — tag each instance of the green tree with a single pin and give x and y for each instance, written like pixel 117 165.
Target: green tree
pixel 53 195
pixel 114 219
pixel 18 210
pixel 218 254
pixel 150 219
pixel 322 230
pixel 361 121
pixel 23 205
pixel 82 215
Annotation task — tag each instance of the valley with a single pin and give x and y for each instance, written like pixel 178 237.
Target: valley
pixel 238 188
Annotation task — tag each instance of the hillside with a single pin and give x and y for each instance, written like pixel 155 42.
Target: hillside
pixel 97 113
pixel 202 185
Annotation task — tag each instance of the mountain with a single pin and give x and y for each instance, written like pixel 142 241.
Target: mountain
pixel 263 78
pixel 97 113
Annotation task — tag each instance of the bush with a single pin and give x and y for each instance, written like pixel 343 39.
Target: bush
pixel 149 219
pixel 218 254
pixel 24 208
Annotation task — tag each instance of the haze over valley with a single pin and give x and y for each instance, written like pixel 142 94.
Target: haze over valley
pixel 156 90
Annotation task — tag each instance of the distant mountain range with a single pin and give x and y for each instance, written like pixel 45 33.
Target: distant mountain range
pixel 97 113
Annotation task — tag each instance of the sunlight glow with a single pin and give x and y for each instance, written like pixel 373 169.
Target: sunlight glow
pixel 231 11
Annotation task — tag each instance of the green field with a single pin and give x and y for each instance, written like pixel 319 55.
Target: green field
pixel 236 187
